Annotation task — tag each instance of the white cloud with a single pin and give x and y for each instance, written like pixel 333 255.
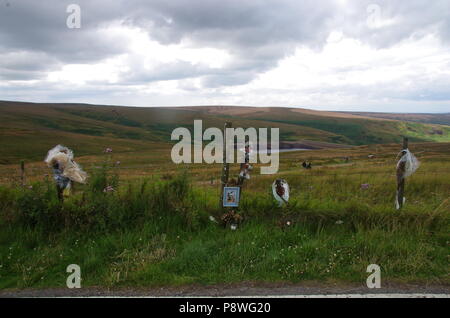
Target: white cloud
pixel 143 56
pixel 333 55
pixel 348 72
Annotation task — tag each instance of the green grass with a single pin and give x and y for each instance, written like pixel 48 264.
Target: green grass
pixel 153 232
pixel 155 255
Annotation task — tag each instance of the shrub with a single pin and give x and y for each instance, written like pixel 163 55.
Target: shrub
pixel 38 205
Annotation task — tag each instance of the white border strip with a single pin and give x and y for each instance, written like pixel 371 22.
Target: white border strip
pixel 283 296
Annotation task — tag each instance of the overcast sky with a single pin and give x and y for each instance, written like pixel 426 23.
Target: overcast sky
pixel 321 54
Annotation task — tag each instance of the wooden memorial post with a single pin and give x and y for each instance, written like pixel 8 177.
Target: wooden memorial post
pixel 232 192
pixel 401 169
pixel 244 165
pixel 225 165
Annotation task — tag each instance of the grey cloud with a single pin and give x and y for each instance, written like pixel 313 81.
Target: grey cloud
pixel 412 18
pixel 239 23
pixel 227 79
pixel 12 75
pixel 25 65
pixel 257 34
pixel 25 61
pixel 418 88
pixel 164 72
pixel 41 26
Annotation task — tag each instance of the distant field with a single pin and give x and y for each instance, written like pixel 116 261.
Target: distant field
pixel 28 130
pixel 441 119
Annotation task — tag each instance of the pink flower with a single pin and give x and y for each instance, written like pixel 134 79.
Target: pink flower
pixel 365 186
pixel 108 150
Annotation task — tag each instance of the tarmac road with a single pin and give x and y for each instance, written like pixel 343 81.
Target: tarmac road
pixel 305 290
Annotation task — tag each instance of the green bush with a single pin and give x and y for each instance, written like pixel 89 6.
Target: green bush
pixel 102 205
pixel 38 205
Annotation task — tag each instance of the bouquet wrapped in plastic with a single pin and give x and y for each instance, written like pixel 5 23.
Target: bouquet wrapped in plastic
pixel 406 166
pixel 280 190
pixel 65 169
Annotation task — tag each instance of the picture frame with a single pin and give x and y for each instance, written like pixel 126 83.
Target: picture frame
pixel 231 196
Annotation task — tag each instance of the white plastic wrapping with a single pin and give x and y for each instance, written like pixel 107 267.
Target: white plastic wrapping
pixel 397 205
pixel 410 161
pixel 245 171
pixel 64 157
pixel 406 166
pixel 280 190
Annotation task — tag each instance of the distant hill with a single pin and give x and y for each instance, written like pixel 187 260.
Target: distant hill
pixel 441 119
pixel 335 127
pixel 28 130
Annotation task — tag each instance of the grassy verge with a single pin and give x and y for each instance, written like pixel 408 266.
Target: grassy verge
pixel 156 232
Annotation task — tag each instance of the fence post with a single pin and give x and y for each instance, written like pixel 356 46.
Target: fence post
pixel 22 172
pixel 400 177
pixel 225 165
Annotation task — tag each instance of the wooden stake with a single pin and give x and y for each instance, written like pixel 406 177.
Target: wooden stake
pixel 241 179
pixel 225 165
pixel 22 172
pixel 401 169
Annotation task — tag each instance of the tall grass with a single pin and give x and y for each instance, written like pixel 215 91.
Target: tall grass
pixel 101 205
pixel 156 231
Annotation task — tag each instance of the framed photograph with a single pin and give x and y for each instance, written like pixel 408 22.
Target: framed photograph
pixel 231 196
